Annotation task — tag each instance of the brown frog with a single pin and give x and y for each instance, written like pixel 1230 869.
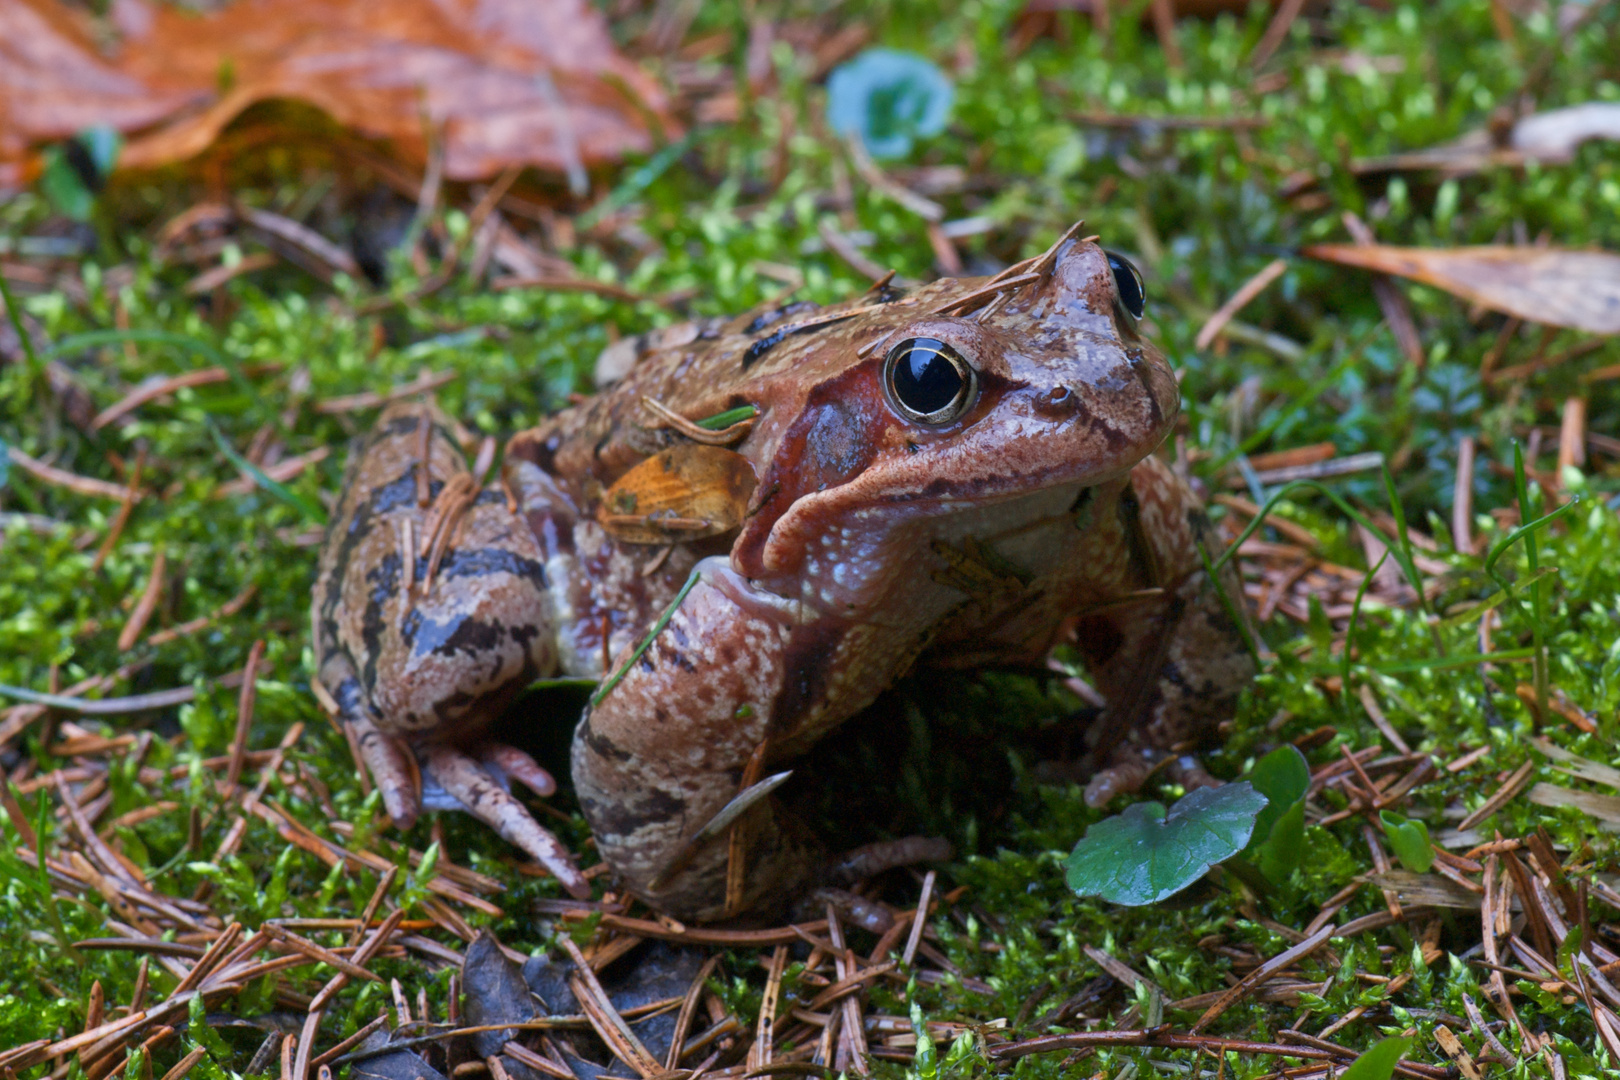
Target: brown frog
pixel 957 473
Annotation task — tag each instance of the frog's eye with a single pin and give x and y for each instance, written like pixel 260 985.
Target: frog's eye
pixel 928 381
pixel 1128 280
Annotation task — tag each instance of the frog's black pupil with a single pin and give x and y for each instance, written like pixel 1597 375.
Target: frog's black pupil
pixel 925 381
pixel 1129 283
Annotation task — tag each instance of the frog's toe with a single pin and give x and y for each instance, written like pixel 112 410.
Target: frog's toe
pixel 1124 778
pixel 392 767
pixel 1189 772
pixel 483 797
pixel 1127 775
pixel 869 860
pixel 498 758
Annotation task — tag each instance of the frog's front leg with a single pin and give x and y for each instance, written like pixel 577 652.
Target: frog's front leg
pixel 1171 667
pixel 430 613
pixel 667 747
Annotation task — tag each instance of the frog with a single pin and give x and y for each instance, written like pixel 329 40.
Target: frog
pixel 962 475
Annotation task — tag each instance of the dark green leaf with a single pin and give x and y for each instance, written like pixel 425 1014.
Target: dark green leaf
pixel 1144 855
pixel 102 144
pixel 64 187
pixel 1279 856
pixel 1279 832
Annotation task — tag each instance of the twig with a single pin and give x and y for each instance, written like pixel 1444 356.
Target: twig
pixel 683 1020
pixel 244 716
pixel 79 485
pixel 125 507
pixel 1276 32
pixel 1158 1038
pixel 919 920
pixel 604 1018
pixel 146 605
pixel 1510 787
pixel 1238 301
pixel 1462 497
pixel 302 237
pixel 422 384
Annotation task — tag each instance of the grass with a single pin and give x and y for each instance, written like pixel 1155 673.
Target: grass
pixel 1200 210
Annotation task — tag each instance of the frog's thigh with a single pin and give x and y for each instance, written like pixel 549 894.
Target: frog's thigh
pixel 665 749
pixel 452 651
pixel 1172 669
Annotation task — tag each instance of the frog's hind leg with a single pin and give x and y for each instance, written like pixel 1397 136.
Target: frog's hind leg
pixel 481 795
pixel 1172 667
pixel 431 614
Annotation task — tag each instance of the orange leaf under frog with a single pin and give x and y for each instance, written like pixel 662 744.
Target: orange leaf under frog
pixel 688 492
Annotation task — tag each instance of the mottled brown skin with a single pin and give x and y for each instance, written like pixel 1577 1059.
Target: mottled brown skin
pixel 872 540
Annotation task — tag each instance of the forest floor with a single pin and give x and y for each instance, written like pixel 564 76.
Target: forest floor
pixel 186 865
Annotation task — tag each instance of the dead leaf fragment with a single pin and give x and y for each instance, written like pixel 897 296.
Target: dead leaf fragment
pixel 1559 287
pixel 1550 137
pixel 1605 808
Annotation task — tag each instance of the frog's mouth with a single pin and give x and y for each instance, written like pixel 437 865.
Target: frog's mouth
pixel 866 513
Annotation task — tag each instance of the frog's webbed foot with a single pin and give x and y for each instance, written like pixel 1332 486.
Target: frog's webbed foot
pixel 866 861
pixel 504 764
pixel 478 792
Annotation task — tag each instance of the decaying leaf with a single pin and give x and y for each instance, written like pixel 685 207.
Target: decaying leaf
pixel 499 82
pixel 1425 890
pixel 1578 289
pixel 53 83
pixel 687 492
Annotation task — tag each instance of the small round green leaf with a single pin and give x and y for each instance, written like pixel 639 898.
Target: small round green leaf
pixel 1409 840
pixel 1144 855
pixel 1280 855
pixel 1282 777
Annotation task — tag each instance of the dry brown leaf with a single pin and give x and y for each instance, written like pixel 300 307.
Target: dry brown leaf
pixel 1425 890
pixel 501 82
pixel 53 84
pixel 1579 289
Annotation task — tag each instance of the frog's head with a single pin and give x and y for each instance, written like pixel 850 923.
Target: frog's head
pixel 970 392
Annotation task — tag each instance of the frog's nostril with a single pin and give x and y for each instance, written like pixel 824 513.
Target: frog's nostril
pixel 1059 401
